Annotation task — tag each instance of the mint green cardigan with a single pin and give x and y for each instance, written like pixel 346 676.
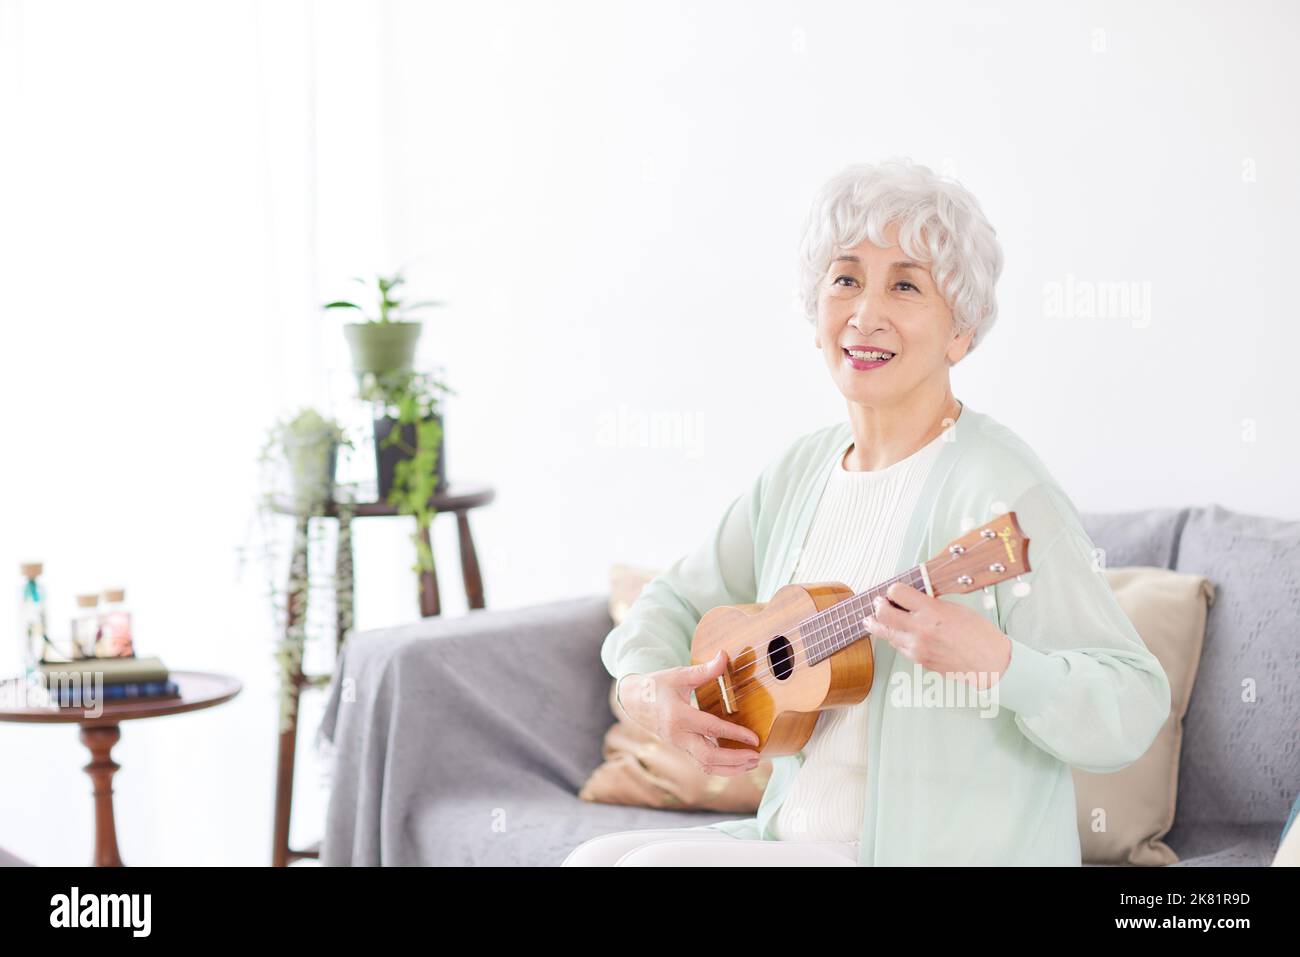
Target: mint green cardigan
pixel 971 784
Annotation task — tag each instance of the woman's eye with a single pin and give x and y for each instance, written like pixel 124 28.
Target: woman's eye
pixel 904 282
pixel 837 279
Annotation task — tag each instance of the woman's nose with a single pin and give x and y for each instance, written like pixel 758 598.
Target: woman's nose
pixel 868 317
pixel 869 313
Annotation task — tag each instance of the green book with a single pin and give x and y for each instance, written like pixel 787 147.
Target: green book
pixel 116 671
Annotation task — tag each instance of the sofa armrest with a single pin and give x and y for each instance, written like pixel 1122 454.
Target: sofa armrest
pixel 553 648
pixel 9 860
pixel 489 707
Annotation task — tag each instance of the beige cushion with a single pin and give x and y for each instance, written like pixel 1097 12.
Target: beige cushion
pixel 625 583
pixel 1124 815
pixel 642 769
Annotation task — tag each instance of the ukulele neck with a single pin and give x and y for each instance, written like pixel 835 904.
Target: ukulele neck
pixel 835 628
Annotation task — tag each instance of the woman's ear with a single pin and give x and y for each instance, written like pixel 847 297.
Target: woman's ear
pixel 959 346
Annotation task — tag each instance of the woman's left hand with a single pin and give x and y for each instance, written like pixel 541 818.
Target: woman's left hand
pixel 941 635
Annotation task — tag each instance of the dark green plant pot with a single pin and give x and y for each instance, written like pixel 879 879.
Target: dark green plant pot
pixel 387 458
pixel 382 347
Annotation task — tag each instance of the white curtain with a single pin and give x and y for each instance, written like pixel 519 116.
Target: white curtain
pixel 165 223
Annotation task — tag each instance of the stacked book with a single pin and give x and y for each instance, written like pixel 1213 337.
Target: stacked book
pixel 88 681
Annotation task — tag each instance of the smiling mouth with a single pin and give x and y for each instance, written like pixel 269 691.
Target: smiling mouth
pixel 869 355
pixel 864 360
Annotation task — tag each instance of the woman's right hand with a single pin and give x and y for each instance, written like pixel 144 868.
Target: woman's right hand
pixel 660 701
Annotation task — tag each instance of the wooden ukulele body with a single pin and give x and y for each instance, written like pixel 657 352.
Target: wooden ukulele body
pixel 767 687
pixel 770 688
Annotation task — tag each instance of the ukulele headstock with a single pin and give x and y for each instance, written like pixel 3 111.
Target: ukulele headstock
pixel 984 556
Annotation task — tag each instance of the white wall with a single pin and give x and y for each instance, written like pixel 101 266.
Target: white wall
pixel 616 205
pixel 609 196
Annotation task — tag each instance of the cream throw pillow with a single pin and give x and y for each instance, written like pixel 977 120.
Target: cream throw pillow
pixel 1123 815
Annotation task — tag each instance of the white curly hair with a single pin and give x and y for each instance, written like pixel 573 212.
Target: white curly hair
pixel 939 223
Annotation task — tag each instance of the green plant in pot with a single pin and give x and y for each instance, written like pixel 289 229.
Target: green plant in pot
pixel 308 444
pixel 303 450
pixel 409 446
pixel 386 342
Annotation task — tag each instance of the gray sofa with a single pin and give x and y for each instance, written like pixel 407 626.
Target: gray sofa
pixel 8 860
pixel 465 740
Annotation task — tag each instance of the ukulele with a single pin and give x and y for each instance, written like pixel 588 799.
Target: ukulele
pixel 803 652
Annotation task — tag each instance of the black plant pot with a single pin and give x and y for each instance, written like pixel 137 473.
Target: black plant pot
pixel 387 458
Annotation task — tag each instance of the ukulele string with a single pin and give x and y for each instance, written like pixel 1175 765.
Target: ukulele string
pixel 821 634
pixel 933 565
pixel 822 640
pixel 760 681
pixel 833 633
pixel 755 683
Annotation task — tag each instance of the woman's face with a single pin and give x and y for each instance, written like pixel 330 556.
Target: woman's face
pixel 878 298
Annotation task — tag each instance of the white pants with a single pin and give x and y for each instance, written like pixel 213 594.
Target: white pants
pixel 705 847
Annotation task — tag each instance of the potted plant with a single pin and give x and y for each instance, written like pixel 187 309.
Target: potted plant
pixel 409 446
pixel 299 457
pixel 385 343
pixel 308 444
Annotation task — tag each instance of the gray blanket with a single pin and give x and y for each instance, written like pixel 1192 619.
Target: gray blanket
pixel 8 860
pixel 465 740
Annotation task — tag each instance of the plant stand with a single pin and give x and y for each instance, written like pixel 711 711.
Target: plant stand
pixel 457 499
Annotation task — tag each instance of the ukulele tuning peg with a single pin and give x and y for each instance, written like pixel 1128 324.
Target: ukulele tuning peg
pixel 990 601
pixel 1021 588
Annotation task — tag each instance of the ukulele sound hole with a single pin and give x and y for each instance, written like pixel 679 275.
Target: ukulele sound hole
pixel 780 657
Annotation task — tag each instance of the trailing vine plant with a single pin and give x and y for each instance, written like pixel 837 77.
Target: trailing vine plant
pixel 297 463
pixel 413 399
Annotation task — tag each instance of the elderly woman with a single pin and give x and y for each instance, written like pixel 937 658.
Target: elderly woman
pixel 899 268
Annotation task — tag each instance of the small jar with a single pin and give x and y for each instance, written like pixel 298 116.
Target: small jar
pixel 85 626
pixel 114 626
pixel 33 628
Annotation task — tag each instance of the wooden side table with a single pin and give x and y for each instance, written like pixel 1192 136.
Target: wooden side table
pixel 198 690
pixel 457 499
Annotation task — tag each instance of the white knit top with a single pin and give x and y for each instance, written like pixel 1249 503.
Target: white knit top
pixel 855 538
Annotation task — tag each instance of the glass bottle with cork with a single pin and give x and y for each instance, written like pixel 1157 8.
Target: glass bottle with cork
pixel 114 626
pixel 85 626
pixel 33 619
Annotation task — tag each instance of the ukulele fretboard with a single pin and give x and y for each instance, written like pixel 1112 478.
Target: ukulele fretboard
pixel 840 625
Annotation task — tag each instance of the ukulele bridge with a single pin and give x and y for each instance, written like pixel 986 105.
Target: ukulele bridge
pixel 725 693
